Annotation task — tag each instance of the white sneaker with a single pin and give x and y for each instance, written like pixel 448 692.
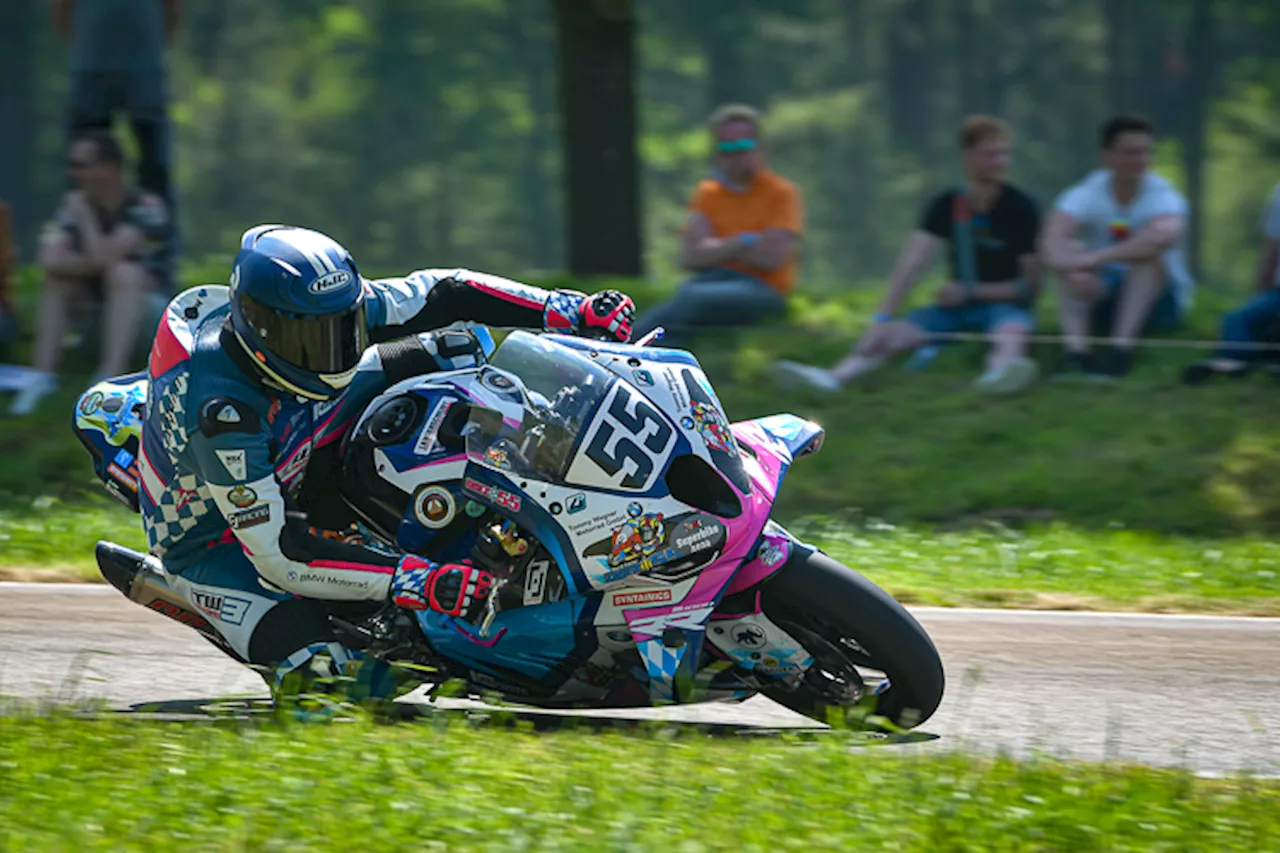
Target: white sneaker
pixel 37 388
pixel 790 372
pixel 1014 377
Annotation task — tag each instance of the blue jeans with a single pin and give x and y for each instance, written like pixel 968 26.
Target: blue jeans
pixel 982 317
pixel 1257 321
pixel 718 297
pixel 1165 315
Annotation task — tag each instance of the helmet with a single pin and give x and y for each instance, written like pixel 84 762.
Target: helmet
pixel 297 308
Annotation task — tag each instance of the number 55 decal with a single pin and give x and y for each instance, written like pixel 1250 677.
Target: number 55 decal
pixel 627 444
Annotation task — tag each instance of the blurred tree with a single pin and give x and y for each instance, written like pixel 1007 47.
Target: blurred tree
pixel 18 118
pixel 441 132
pixel 595 59
pixel 1200 82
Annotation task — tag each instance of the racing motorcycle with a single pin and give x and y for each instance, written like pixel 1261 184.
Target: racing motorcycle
pixel 625 518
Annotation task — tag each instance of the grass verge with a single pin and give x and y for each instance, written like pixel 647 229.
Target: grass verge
pixel 1145 496
pixel 1047 566
pixel 113 785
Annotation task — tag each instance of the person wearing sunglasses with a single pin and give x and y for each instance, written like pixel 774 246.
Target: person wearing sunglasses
pixel 741 237
pixel 109 249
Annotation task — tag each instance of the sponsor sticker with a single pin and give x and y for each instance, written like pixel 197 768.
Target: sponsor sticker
pixel 493 494
pixel 643 378
pixel 330 281
pixel 242 496
pixel 697 536
pixel 435 507
pixel 495 381
pixel 535 585
pixel 233 461
pixel 749 636
pixel 595 523
pixel 332 579
pixel 295 464
pixel 225 608
pixel 773 552
pixel 250 517
pixel 427 438
pixel 577 503
pixel 686 617
pixel 649 596
pixel 91 403
pixel 123 476
pixel 178 614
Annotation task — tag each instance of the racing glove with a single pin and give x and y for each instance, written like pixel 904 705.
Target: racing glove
pixel 607 314
pixel 455 589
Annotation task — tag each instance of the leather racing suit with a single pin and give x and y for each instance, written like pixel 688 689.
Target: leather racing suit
pixel 224 455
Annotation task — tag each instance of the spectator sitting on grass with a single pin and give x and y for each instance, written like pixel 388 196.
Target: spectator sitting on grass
pixel 110 244
pixel 990 227
pixel 117 64
pixel 1258 321
pixel 740 238
pixel 1128 277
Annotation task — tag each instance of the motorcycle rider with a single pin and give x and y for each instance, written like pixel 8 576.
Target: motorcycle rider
pixel 244 384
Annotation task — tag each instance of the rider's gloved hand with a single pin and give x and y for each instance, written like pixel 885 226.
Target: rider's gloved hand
pixel 607 314
pixel 455 589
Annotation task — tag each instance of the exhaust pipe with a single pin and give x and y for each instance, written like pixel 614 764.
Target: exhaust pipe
pixel 141 578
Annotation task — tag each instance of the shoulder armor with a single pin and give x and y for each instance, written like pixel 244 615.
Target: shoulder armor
pixel 222 414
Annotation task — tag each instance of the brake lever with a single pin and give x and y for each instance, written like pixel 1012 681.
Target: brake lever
pixel 490 611
pixel 651 338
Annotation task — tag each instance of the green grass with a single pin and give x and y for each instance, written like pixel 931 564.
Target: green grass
pixel 1167 494
pixel 1058 566
pixel 126 785
pixel 1054 565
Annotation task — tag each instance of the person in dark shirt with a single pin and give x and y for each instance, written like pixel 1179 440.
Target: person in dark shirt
pixel 110 245
pixel 990 229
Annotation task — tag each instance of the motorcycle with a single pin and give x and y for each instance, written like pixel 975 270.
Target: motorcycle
pixel 626 520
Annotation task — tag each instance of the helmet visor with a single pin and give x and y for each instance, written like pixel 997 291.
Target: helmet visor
pixel 323 343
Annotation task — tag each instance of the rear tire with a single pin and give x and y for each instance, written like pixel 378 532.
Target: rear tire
pixel 847 623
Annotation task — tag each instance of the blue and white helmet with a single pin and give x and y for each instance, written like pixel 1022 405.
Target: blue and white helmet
pixel 297 307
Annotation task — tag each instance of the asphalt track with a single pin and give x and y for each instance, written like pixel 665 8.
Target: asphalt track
pixel 1191 691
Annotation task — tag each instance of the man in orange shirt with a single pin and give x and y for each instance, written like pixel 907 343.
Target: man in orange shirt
pixel 740 239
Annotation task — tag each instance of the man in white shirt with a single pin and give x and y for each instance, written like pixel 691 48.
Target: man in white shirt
pixel 1258 320
pixel 1116 241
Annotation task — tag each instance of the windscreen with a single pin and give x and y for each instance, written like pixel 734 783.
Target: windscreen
pixel 561 389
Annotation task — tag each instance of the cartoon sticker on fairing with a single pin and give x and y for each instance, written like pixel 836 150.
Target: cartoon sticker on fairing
pixel 709 424
pixel 650 543
pixel 498 457
pixel 773 550
pixel 639 536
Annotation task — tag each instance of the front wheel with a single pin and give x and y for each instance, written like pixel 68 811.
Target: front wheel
pixel 849 625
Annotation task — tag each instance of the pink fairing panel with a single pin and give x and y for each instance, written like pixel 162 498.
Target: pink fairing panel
pixel 765 468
